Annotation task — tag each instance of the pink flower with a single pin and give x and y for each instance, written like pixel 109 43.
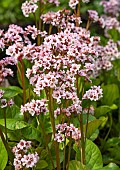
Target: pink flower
pixel 29 7
pixel 35 107
pixel 94 94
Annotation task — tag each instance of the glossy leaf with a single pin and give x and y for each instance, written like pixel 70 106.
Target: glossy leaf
pixel 93 156
pixel 11 91
pixel 92 127
pixel 14 113
pixel 76 165
pixel 13 124
pixel 110 94
pixel 41 164
pixel 31 132
pixel 3 156
pixel 110 166
pixel 102 110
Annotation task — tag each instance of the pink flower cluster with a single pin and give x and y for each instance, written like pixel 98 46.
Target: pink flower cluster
pixel 59 59
pixel 65 131
pixel 23 158
pixel 35 107
pixel 34 32
pixel 74 3
pixel 4 71
pixel 73 109
pixel 94 94
pixel 111 7
pixel 107 54
pixel 4 102
pixel 94 17
pixel 60 19
pixel 29 7
pixel 89 110
pixel 111 17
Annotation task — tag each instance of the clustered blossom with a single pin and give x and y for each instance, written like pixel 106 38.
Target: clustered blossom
pixel 4 102
pixel 1 93
pixel 106 55
pixel 73 109
pixel 64 53
pixel 93 94
pixel 60 19
pixel 29 7
pixel 35 107
pixel 111 16
pixel 73 3
pixel 4 71
pixel 16 40
pixel 111 7
pixel 89 110
pixel 110 23
pixel 23 158
pixel 34 32
pixel 65 131
pixel 94 17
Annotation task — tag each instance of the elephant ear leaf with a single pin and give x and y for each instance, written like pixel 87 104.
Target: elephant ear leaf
pixel 3 156
pixel 76 165
pixel 93 156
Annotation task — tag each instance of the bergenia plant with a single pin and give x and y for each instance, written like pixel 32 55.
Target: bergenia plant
pixel 48 121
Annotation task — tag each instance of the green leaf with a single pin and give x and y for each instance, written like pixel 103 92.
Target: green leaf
pixel 114 34
pixel 11 91
pixel 13 124
pixel 110 94
pixel 31 133
pixel 110 166
pixel 94 135
pixel 101 111
pixel 93 156
pixel 92 127
pixel 113 141
pixel 113 107
pixel 13 112
pixel 3 156
pixel 53 155
pixel 41 164
pixel 77 150
pixel 104 121
pixel 76 165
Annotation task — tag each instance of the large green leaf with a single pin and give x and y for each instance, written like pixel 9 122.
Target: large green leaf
pixel 93 156
pixel 11 112
pixel 76 165
pixel 14 113
pixel 13 124
pixel 114 34
pixel 92 127
pixel 41 164
pixel 31 133
pixel 11 91
pixel 110 94
pixel 102 110
pixel 3 156
pixel 53 155
pixel 110 166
